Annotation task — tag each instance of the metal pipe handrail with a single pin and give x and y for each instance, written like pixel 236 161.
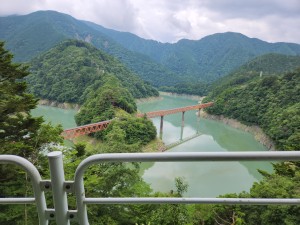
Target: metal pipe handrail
pixel 17 200
pixel 82 201
pixel 39 197
pixel 229 201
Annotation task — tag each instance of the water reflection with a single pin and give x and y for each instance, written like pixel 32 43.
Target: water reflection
pixel 205 179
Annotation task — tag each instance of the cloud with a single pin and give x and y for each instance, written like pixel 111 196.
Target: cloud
pixel 169 21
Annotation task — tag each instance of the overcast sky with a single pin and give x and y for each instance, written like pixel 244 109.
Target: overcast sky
pixel 171 20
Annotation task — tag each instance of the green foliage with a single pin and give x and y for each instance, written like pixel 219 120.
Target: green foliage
pixel 284 183
pixel 265 65
pixel 136 130
pixel 73 69
pixel 170 214
pixel 191 88
pixel 112 100
pixel 271 102
pixel 20 134
pixel 102 104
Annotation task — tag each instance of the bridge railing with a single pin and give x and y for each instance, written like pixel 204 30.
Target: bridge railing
pixel 60 187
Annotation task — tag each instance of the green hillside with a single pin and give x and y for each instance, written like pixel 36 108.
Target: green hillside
pixel 72 69
pixel 186 62
pixel 30 35
pixel 271 102
pixel 261 66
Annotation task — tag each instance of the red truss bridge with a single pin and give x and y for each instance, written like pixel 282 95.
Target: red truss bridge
pixel 94 127
pixel 161 113
pixel 85 129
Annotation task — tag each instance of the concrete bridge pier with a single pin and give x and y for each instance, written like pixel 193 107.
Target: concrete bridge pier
pixel 161 127
pixel 182 125
pixel 182 119
pixel 198 120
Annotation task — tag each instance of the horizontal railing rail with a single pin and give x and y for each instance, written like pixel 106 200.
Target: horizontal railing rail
pixel 60 187
pixel 82 201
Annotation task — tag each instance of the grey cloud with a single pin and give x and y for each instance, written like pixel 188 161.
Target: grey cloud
pixel 170 20
pixel 180 23
pixel 253 8
pixel 11 7
pixel 119 15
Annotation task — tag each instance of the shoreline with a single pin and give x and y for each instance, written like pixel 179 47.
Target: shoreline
pixel 67 105
pixel 256 131
pixel 192 97
pixel 64 105
pixel 149 99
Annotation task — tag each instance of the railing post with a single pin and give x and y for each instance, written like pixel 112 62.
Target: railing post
pixel 58 188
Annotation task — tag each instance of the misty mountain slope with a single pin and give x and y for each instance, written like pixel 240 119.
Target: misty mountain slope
pixel 206 59
pixel 30 35
pixel 162 64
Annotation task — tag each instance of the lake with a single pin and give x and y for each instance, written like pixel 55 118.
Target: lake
pixel 205 179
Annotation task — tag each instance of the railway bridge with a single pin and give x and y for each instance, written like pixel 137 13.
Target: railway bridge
pixel 94 127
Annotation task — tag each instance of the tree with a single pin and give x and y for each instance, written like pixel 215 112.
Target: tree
pixel 20 134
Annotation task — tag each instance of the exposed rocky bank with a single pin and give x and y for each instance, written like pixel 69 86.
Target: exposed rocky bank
pixel 64 105
pixel 256 131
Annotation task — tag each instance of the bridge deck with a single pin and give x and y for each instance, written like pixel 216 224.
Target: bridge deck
pixel 94 127
pixel 173 111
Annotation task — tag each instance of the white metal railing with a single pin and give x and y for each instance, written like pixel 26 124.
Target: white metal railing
pixel 60 187
pixel 36 180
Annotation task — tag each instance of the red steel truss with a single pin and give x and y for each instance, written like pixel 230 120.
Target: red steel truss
pixel 94 127
pixel 85 129
pixel 173 111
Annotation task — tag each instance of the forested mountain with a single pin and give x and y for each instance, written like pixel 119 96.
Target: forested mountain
pixel 261 66
pixel 73 69
pixel 162 64
pixel 30 35
pixel 271 102
pixel 206 59
pixel 26 136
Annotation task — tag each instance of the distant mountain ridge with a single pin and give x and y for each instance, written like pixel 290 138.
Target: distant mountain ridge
pixel 215 54
pixel 162 64
pixel 30 35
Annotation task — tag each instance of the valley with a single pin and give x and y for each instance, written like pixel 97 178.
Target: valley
pixel 109 75
pixel 215 136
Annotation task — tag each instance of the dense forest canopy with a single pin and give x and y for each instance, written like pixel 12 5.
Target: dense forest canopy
pixel 20 134
pixel 265 65
pixel 69 71
pixel 102 104
pixel 271 102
